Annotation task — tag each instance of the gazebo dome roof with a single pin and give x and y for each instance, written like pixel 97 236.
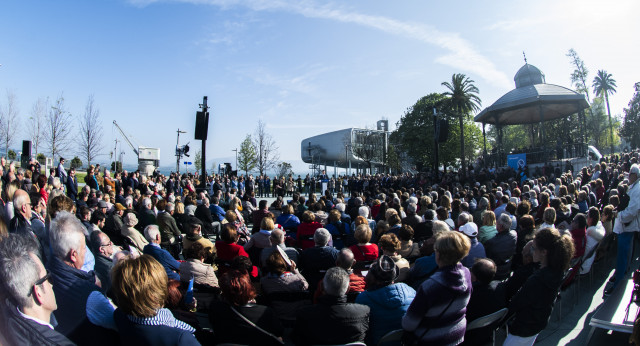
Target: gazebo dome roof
pixel 528 75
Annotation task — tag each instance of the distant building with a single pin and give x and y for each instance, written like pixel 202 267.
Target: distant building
pixel 351 148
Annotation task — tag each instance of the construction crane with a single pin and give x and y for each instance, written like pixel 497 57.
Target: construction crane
pixel 148 158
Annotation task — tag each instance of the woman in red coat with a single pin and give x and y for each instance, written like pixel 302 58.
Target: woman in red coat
pixel 306 230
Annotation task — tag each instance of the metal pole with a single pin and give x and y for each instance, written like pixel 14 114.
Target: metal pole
pixel 236 166
pixel 203 158
pixel 435 141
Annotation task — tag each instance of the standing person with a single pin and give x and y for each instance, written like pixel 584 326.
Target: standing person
pixel 532 305
pixel 60 171
pixel 72 184
pixel 437 314
pixel 626 224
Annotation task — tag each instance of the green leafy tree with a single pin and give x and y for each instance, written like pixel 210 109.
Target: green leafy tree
pixel 198 160
pixel 603 85
pixel 414 134
pixel 631 124
pixel 41 158
pixel 116 166
pixel 11 154
pixel 283 169
pixel 463 99
pixel 76 162
pixel 393 160
pixel 247 156
pixel 580 74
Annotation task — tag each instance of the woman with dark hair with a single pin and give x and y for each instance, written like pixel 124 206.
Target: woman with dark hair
pixel 526 231
pixel 140 289
pixel 238 319
pixel 195 267
pixel 532 305
pixel 283 278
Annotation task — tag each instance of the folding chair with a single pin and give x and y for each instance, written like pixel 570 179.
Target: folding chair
pixel 488 320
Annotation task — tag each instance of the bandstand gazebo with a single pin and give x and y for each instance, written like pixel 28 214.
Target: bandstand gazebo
pixel 533 101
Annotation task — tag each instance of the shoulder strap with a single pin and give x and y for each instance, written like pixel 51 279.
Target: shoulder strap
pixel 256 326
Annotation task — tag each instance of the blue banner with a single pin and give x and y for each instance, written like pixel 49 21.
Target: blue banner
pixel 517 161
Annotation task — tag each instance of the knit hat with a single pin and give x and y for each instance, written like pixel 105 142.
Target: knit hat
pixel 470 229
pixel 384 269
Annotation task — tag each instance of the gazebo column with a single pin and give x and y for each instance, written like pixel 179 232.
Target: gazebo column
pixel 500 150
pixel 544 141
pixel 484 138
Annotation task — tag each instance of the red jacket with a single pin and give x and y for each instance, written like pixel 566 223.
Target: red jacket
pixel 305 234
pixel 579 236
pixel 365 252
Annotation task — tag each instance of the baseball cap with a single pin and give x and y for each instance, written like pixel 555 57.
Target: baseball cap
pixel 470 229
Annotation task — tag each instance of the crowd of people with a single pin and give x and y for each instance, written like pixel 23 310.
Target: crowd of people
pixel 129 259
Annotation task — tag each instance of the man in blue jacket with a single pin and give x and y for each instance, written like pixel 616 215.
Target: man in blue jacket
pixel 171 266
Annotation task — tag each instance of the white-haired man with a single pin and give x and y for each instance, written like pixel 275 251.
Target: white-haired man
pixel 346 322
pixel 171 266
pixel 27 285
pixel 84 313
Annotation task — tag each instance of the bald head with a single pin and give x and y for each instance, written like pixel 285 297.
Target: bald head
pixel 22 203
pixel 345 259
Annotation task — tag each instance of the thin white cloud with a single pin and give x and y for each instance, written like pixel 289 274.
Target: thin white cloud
pixel 461 53
pixel 301 83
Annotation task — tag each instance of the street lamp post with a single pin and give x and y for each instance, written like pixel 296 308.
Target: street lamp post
pixel 178 152
pixel 236 166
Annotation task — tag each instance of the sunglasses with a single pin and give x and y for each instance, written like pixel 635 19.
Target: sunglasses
pixel 42 280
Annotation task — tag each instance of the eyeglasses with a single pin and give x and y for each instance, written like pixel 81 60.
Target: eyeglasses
pixel 108 244
pixel 42 280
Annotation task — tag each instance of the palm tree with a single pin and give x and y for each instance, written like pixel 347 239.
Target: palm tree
pixel 463 98
pixel 604 84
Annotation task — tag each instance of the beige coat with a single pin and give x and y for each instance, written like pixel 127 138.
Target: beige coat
pixel 135 236
pixel 203 274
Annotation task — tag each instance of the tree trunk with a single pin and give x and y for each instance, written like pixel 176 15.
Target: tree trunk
pixel 606 98
pixel 464 167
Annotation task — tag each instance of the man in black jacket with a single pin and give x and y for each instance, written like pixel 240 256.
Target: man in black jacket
pixel 333 321
pixel 27 283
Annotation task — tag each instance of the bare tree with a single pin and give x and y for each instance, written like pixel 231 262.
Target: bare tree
pixel 267 150
pixel 59 128
pixel 91 130
pixel 9 122
pixel 368 146
pixel 35 128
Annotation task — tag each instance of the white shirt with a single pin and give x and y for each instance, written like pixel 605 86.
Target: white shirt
pixel 36 320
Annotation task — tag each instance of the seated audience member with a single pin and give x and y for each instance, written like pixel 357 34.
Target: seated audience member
pixel 307 229
pixel 282 278
pixel 533 303
pixel 502 247
pixel 387 299
pixel 128 231
pixel 194 266
pixel 287 219
pixel 84 313
pixel 140 287
pixel 227 247
pixel 595 233
pixel 526 231
pixel 171 266
pixel 487 297
pixel 236 318
pixel 578 231
pixel 340 231
pixel 390 245
pixel 332 321
pixel 488 229
pixel 261 239
pixel 194 235
pixel 364 251
pixel 426 320
pixel 102 246
pixel 437 227
pixel 520 275
pixel 408 249
pixel 29 291
pixel 356 280
pixel 477 249
pixel 548 218
pixel 277 239
pixel 259 214
pixel 316 260
pixel 424 230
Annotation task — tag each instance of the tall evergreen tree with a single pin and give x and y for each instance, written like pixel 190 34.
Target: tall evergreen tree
pixel 603 85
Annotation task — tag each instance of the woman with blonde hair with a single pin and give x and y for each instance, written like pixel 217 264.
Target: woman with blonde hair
pixel 488 229
pixel 140 288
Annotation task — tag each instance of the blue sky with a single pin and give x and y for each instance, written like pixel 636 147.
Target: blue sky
pixel 303 67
